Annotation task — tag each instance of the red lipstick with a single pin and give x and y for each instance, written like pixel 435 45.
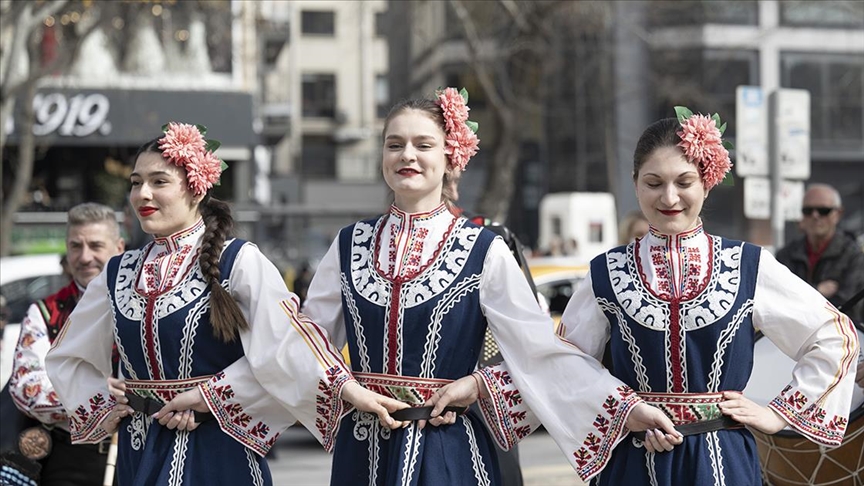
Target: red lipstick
pixel 408 172
pixel 146 211
pixel 670 212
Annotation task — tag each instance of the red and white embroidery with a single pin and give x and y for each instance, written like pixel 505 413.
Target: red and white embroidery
pixel 86 422
pixel 597 446
pixel 329 407
pixel 233 419
pixel 507 417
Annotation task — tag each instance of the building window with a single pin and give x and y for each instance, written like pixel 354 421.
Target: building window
pixel 382 95
pixel 319 95
pixel 381 26
pixel 836 94
pixel 822 13
pixel 672 13
pixel 318 157
pixel 703 80
pixel 318 22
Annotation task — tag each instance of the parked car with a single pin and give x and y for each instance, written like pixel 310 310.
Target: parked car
pixel 24 279
pixel 556 279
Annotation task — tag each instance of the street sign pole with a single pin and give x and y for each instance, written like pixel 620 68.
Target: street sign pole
pixel 778 224
pixel 788 149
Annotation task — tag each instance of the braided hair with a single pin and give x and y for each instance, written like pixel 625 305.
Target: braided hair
pixel 225 316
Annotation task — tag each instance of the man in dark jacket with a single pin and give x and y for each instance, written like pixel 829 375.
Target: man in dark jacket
pixel 827 259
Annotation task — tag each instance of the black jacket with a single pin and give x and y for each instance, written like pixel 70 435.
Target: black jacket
pixel 842 261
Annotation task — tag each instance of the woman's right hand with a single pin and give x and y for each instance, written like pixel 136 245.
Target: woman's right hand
pixel 660 433
pixel 117 388
pixel 368 401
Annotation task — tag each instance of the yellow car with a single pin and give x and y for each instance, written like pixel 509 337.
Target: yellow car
pixel 556 279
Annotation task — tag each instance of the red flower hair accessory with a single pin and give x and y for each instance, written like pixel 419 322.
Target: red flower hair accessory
pixel 460 138
pixel 702 144
pixel 184 145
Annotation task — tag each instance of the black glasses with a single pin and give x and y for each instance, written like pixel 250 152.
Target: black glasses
pixel 809 210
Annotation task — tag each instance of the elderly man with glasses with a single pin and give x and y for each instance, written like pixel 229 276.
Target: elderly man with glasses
pixel 826 258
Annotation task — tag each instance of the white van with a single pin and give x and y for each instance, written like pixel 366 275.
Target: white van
pixel 580 225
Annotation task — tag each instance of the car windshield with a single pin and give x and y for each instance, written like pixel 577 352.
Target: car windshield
pixel 21 293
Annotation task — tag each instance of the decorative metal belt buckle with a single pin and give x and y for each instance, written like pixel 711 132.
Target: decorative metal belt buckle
pixel 35 443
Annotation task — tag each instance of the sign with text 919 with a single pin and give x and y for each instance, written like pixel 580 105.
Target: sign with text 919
pixel 79 115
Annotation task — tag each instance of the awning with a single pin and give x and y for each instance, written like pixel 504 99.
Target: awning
pixel 115 117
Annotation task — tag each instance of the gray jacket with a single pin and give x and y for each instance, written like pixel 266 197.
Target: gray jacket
pixel 842 261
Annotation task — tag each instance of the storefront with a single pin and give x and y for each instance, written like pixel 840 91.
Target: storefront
pixel 85 140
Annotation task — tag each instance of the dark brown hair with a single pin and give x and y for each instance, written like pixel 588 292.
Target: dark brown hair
pixel 225 316
pixel 662 133
pixel 449 190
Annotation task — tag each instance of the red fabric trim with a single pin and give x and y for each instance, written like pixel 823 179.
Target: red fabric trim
pixel 675 347
pixel 393 328
pixel 150 338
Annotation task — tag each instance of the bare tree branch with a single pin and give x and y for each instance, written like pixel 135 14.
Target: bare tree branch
pixel 473 41
pixel 513 9
pixel 24 22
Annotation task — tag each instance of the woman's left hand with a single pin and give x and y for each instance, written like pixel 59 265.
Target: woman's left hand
pixel 460 393
pixel 747 412
pixel 177 414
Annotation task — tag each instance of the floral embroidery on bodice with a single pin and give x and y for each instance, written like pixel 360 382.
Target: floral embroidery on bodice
pixel 690 270
pixel 168 259
pixel 411 241
pixel 158 270
pixel 675 267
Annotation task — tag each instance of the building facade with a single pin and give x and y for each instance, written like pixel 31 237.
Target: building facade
pixel 621 65
pixel 141 66
pixel 323 95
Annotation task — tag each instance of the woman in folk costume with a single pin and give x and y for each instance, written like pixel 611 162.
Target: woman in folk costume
pixel 681 308
pixel 176 309
pixel 412 293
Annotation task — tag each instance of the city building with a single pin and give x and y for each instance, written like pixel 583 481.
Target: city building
pixel 617 66
pixel 323 95
pixel 141 66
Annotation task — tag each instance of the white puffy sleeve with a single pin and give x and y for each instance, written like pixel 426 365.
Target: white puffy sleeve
pixel 29 385
pixel 583 407
pixel 324 299
pixel 291 370
pixel 823 342
pixel 79 363
pixel 583 322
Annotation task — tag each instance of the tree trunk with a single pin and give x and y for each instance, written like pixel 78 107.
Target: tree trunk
pixel 23 172
pixel 500 179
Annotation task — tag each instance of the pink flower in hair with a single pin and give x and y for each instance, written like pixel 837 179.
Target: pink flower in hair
pixel 453 105
pixel 460 140
pixel 181 141
pixel 184 146
pixel 702 145
pixel 714 166
pixel 203 171
pixel 460 145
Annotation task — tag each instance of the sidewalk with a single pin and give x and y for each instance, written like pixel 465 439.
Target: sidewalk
pixel 300 461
